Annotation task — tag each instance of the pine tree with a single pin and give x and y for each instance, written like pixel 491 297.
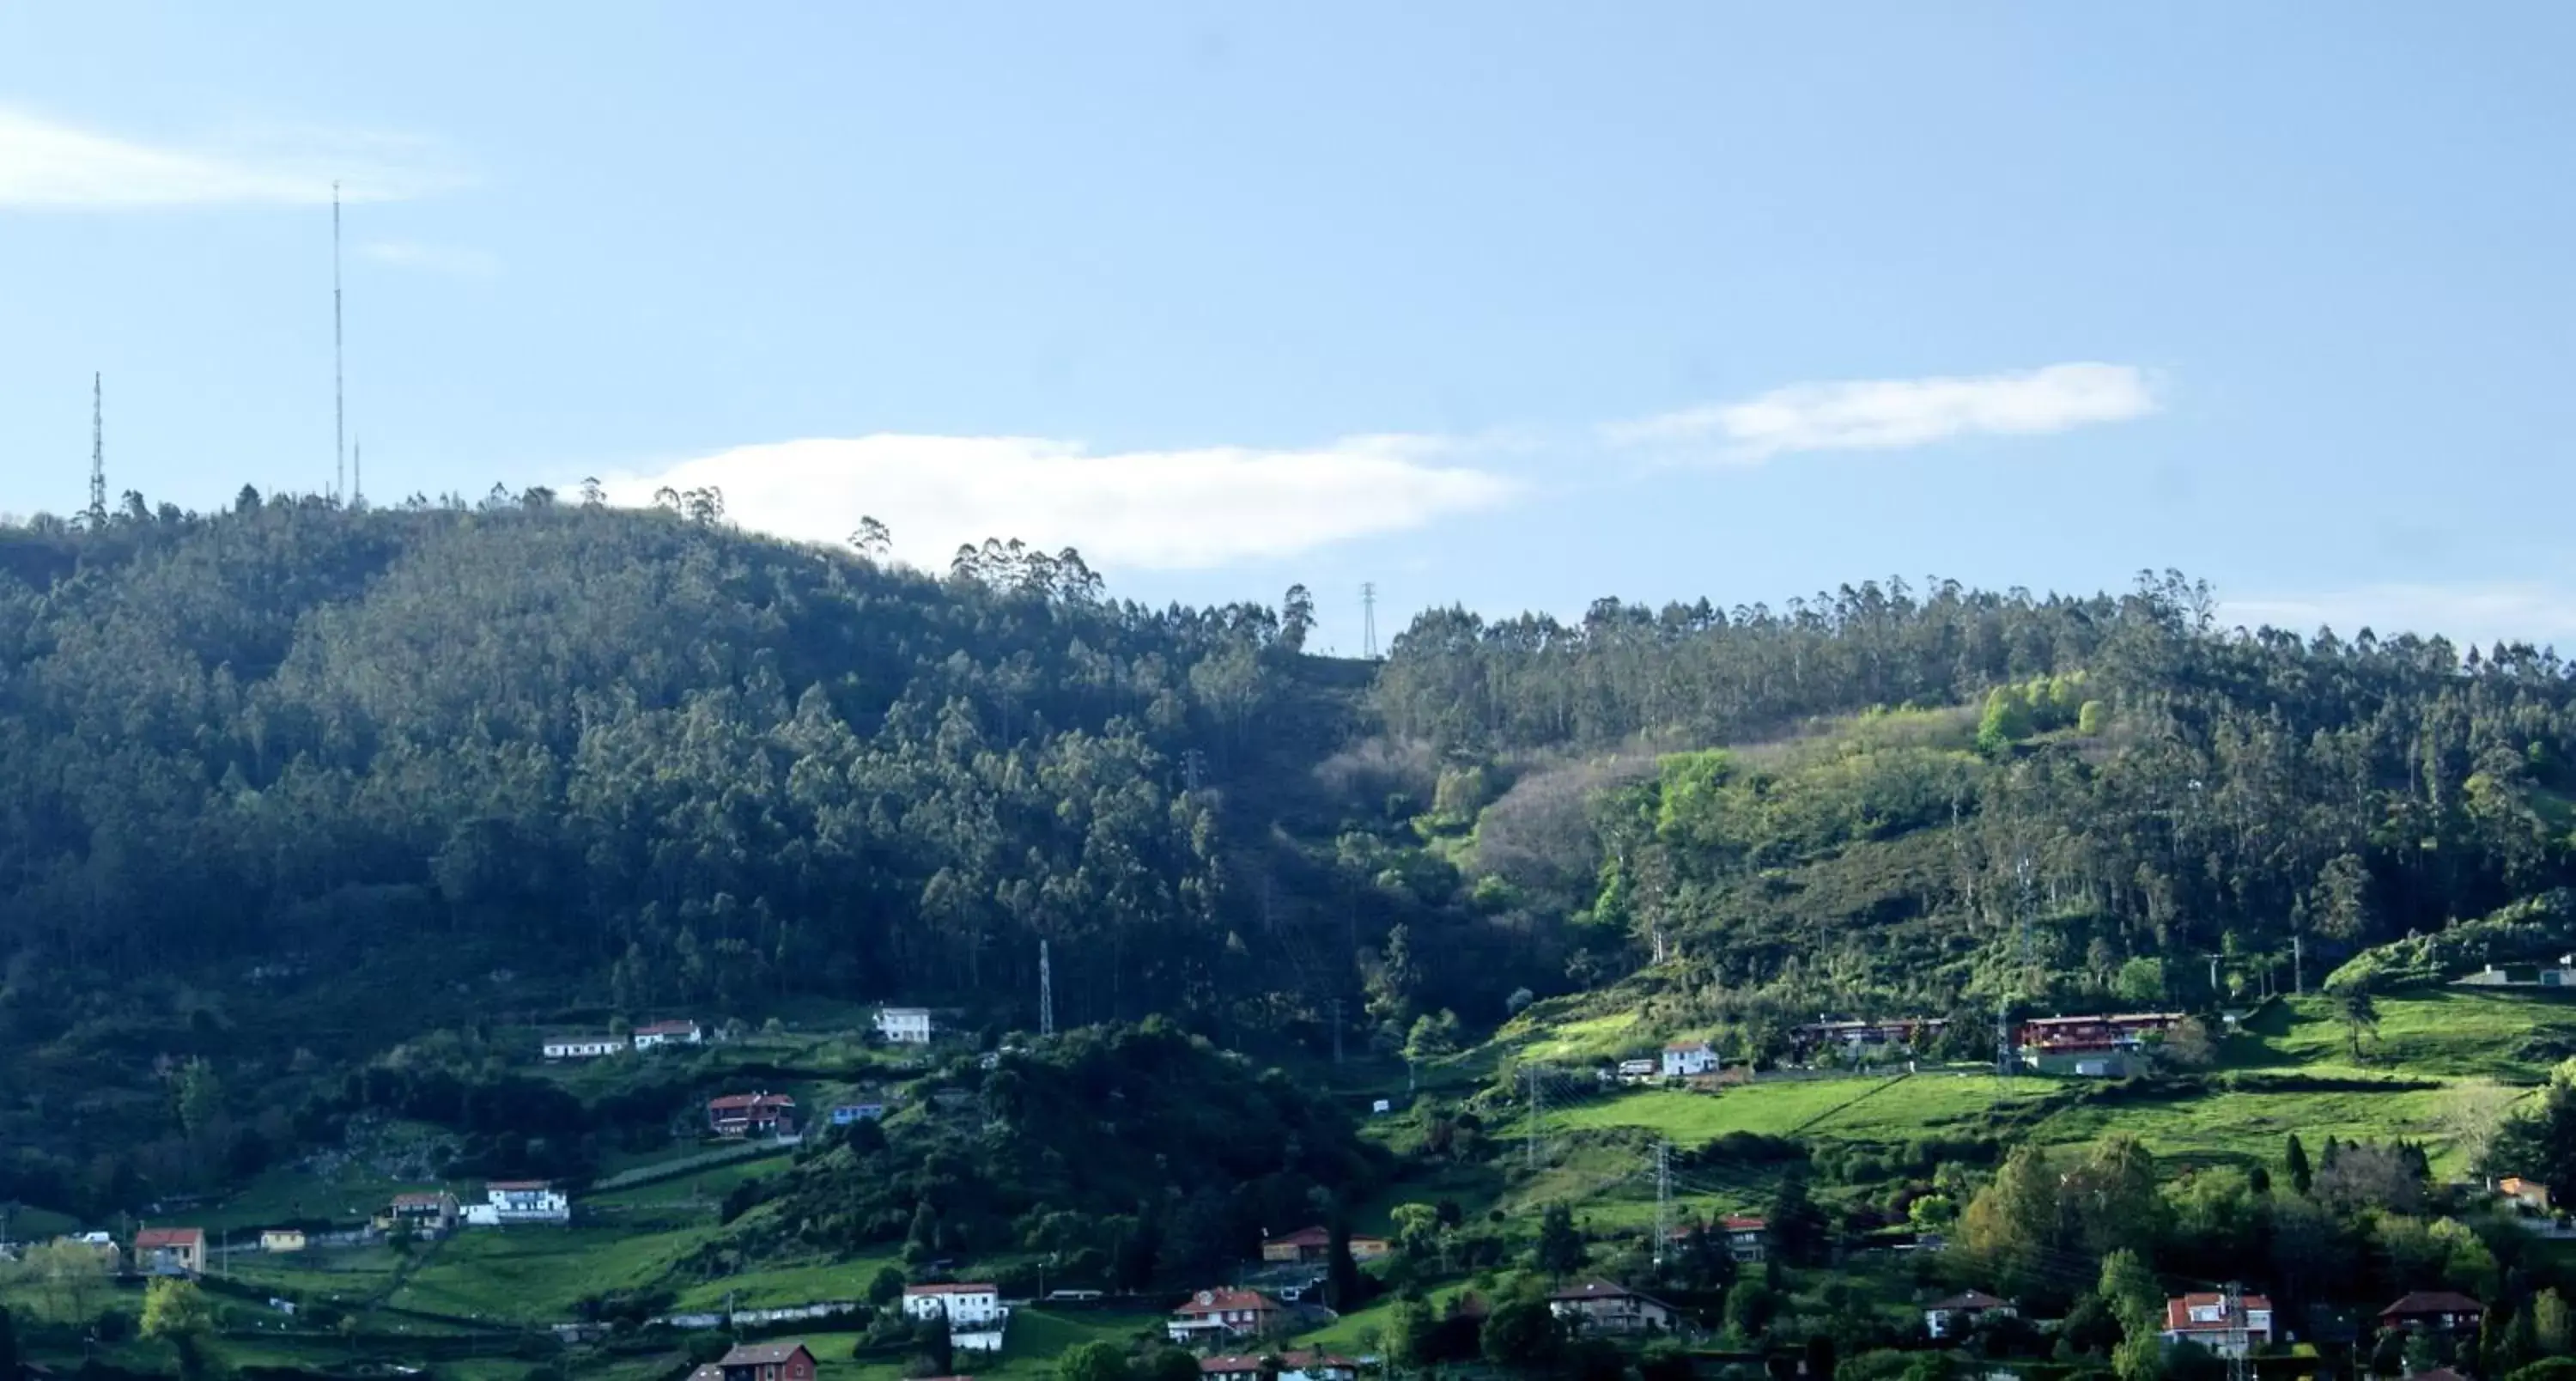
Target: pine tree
pixel 2296 1162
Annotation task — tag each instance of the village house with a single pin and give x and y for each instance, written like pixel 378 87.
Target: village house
pixel 1606 1308
pixel 1689 1059
pixel 2092 1046
pixel 780 1361
pixel 1293 1366
pixel 519 1201
pixel 281 1240
pixel 959 1304
pixel 752 1114
pixel 428 1213
pixel 2205 1319
pixel 2560 975
pixel 846 1114
pixel 1865 1040
pixel 1748 1240
pixel 1961 1313
pixel 589 1047
pixel 2433 1311
pixel 668 1033
pixel 1637 1071
pixel 1213 1315
pixel 170 1251
pixel 904 1025
pixel 2532 1194
pixel 1311 1246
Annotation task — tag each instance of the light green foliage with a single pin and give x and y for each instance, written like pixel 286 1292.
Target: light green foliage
pixel 175 1311
pixel 1098 1360
pixel 57 1282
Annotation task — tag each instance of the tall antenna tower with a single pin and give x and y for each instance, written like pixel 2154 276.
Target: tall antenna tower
pixel 1368 619
pixel 97 454
pixel 1046 990
pixel 339 403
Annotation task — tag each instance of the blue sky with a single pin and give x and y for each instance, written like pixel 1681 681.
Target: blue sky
pixel 1512 305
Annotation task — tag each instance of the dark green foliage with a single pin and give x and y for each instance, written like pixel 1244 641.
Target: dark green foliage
pixel 1560 1250
pixel 1151 1145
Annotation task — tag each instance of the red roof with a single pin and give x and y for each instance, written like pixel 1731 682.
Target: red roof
pixel 1226 1302
pixel 420 1199
pixel 1602 1289
pixel 751 1101
pixel 763 1354
pixel 1735 1223
pixel 1303 1237
pixel 2178 1310
pixel 951 1289
pixel 153 1239
pixel 2432 1302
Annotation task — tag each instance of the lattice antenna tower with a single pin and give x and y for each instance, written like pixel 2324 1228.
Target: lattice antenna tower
pixel 97 454
pixel 1368 619
pixel 339 395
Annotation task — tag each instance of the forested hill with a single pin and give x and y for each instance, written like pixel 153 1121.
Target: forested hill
pixel 646 762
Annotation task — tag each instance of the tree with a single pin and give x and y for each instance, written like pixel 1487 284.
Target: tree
pixel 1433 1037
pixel 1296 618
pixel 886 1286
pixel 201 1096
pixel 1097 1360
pixel 1407 1335
pixel 2359 1013
pixel 1168 1364
pixel 1344 1288
pixel 2129 1290
pixel 1520 1334
pixel 2295 1161
pixel 2552 1329
pixel 1795 1224
pixel 872 539
pixel 1561 1252
pixel 2012 1223
pixel 934 1348
pixel 8 1346
pixel 175 1312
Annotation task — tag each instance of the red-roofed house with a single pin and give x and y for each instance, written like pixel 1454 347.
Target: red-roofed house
pixel 2206 1320
pixel 170 1251
pixel 752 1114
pixel 782 1361
pixel 1217 1315
pixel 1959 1313
pixel 2434 1311
pixel 1608 1308
pixel 1748 1240
pixel 1307 1246
pixel 1293 1366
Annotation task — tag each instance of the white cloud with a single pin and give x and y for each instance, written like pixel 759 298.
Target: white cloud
pixel 48 165
pixel 2465 613
pixel 1158 510
pixel 455 261
pixel 1889 414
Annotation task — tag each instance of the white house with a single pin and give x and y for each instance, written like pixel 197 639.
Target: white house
pixel 1606 1308
pixel 1960 1313
pixel 962 1305
pixel 582 1047
pixel 1683 1059
pixel 2206 1320
pixel 668 1033
pixel 519 1201
pixel 904 1025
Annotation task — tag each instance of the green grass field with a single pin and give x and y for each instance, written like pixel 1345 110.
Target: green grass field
pixel 536 1274
pixel 1846 1109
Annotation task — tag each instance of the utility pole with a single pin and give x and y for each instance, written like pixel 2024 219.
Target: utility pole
pixel 1368 619
pixel 1334 1006
pixel 2299 964
pixel 97 453
pixel 1663 1200
pixel 1046 991
pixel 2239 1367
